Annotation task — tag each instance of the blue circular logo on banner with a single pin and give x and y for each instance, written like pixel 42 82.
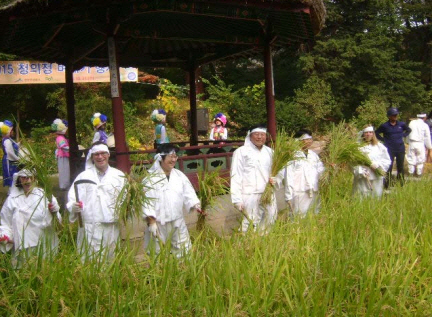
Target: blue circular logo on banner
pixel 131 76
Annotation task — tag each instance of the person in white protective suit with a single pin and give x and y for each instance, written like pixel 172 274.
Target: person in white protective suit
pixel 250 173
pixel 367 180
pixel 99 234
pixel 419 139
pixel 170 193
pixel 302 176
pixel 27 219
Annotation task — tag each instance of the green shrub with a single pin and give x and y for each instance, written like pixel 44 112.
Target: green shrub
pixel 372 111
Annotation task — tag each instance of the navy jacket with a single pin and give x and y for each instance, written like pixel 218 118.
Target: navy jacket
pixel 393 135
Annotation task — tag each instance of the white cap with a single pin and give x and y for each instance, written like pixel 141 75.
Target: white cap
pixel 305 137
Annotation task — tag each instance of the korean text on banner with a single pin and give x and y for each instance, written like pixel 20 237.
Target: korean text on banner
pixel 26 72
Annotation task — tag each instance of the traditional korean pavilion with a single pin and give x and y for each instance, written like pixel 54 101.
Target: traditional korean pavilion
pixel 154 33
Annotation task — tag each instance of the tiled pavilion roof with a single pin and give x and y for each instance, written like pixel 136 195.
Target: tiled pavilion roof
pixel 153 33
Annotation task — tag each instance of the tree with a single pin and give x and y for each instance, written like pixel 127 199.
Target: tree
pixel 317 99
pixel 372 111
pixel 361 54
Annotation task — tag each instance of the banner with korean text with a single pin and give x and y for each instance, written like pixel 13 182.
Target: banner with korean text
pixel 25 72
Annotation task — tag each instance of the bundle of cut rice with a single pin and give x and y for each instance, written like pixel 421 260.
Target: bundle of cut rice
pixel 284 150
pixel 32 161
pixel 343 151
pixel 132 197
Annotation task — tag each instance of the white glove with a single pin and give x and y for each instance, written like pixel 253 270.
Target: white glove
pixel 374 166
pixel 196 208
pixel 53 208
pixel 360 171
pixel 272 181
pixel 153 229
pixel 77 207
pixel 4 239
pixel 239 206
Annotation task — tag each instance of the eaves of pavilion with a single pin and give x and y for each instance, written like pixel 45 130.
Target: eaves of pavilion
pixel 154 33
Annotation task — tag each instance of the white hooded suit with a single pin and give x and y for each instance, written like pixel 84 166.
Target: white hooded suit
pixel 100 230
pixel 418 139
pixel 27 221
pixel 169 197
pixel 301 182
pixel 366 181
pixel 250 173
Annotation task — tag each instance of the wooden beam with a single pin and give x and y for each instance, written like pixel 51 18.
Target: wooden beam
pixel 86 53
pixel 57 31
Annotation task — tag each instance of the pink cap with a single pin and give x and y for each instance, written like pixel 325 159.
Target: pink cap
pixel 221 117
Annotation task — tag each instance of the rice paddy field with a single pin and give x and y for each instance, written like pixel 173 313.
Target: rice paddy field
pixel 355 258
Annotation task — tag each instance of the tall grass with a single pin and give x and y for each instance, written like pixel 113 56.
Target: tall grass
pixel 210 186
pixel 355 258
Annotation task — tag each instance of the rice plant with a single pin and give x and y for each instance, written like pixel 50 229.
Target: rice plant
pixel 367 257
pixel 284 149
pixel 211 185
pixel 132 197
pixel 32 161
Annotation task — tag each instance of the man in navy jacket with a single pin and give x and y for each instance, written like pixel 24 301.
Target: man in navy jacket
pixel 392 133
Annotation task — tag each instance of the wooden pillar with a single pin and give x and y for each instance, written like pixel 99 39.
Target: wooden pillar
pixel 193 105
pixel 269 90
pixel 199 83
pixel 122 156
pixel 70 105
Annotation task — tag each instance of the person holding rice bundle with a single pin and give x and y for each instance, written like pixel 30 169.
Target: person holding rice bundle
pixel 158 116
pixel 368 180
pixel 62 152
pixel 99 121
pixel 10 153
pixel 96 190
pixel 219 132
pixel 302 177
pixel 250 173
pixel 27 218
pixel 170 193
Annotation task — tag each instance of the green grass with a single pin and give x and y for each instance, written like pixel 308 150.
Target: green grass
pixel 355 258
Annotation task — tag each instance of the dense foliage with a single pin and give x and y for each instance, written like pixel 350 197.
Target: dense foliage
pixel 371 54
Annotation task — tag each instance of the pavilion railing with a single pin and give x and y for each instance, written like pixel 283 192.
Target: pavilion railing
pixel 191 159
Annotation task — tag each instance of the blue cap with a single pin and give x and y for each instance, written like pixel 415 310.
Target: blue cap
pixel 8 123
pixel 392 112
